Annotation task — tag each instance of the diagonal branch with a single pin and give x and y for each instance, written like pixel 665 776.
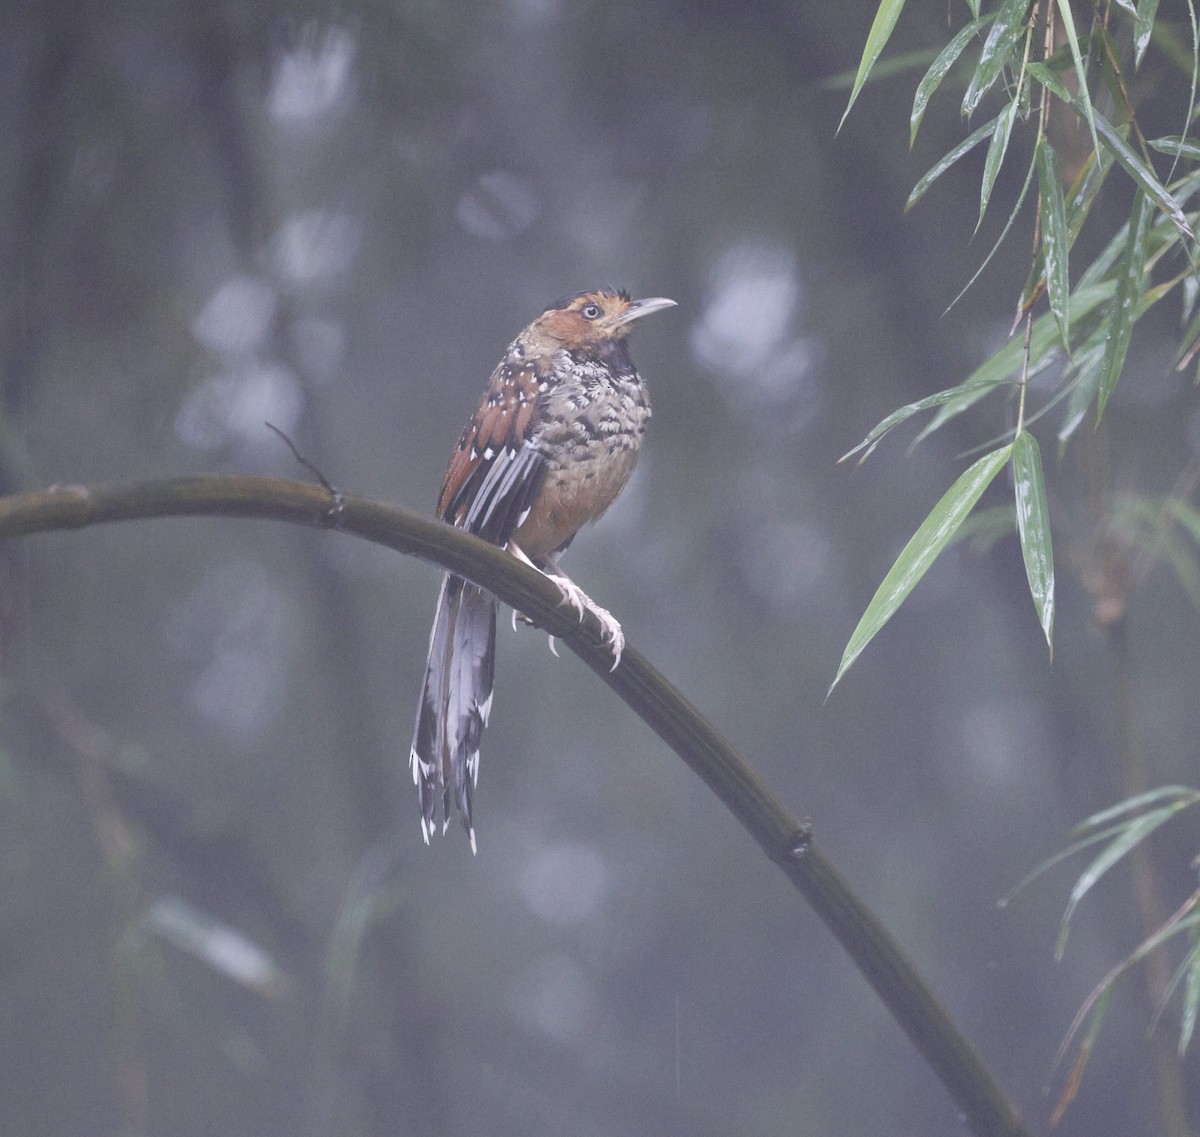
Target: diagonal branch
pixel 785 840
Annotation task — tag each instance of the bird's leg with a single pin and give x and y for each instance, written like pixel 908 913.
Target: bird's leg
pixel 610 627
pixel 573 595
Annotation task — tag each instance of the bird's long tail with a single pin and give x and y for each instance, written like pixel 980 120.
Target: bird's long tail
pixel 455 702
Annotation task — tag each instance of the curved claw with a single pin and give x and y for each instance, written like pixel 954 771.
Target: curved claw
pixel 613 635
pixel 570 593
pixel 573 595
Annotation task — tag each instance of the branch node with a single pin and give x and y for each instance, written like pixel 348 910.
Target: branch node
pixel 331 517
pixel 798 846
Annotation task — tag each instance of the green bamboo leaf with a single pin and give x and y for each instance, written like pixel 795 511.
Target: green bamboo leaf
pixel 881 31
pixel 922 550
pixel 1141 174
pixel 973 5
pixel 1083 373
pixel 1128 839
pixel 1185 921
pixel 996 52
pixel 1130 275
pixel 1057 859
pixel 968 396
pixel 1079 200
pixel 995 156
pixel 938 71
pixel 1099 272
pixel 1157 292
pixel 1006 363
pixel 1177 797
pixel 1064 390
pixel 1190 334
pixel 1142 27
pixel 946 161
pixel 1086 365
pixel 928 403
pixel 1049 79
pixel 1012 217
pixel 1056 245
pixel 1086 298
pixel 1086 189
pixel 1068 23
pixel 1172 927
pixel 1033 526
pixel 1176 147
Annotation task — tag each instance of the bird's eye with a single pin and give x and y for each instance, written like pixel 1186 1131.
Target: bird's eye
pixel 591 311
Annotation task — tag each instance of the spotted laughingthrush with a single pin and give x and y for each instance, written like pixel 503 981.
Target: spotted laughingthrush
pixel 551 445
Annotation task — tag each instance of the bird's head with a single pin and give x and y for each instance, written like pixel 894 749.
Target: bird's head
pixel 594 319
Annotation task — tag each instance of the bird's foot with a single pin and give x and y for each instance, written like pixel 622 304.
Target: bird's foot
pixel 573 595
pixel 610 628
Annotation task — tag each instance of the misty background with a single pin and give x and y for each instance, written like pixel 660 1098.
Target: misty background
pixel 218 915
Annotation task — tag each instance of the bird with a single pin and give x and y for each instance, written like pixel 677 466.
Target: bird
pixel 552 443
